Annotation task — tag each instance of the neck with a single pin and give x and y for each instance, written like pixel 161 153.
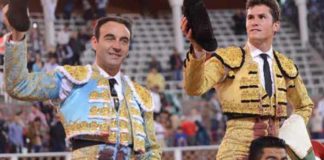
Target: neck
pixel 111 70
pixel 264 46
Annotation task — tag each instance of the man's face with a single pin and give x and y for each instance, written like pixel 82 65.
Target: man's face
pixel 112 46
pixel 259 24
pixel 274 154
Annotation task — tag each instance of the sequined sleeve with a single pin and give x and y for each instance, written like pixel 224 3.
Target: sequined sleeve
pixel 23 85
pixel 153 150
pixel 297 95
pixel 200 75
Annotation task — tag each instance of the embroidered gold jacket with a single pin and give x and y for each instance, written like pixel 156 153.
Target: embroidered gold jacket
pixel 234 74
pixel 88 111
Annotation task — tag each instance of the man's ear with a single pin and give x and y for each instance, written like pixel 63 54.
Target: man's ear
pixel 276 26
pixel 94 43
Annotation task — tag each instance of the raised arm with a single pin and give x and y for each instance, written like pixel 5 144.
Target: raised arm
pixel 18 82
pixel 201 72
pixel 23 85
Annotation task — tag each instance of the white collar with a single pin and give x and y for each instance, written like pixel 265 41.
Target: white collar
pixel 255 52
pixel 106 75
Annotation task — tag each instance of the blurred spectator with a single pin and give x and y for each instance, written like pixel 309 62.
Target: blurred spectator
pixel 190 129
pixel 202 136
pixel 15 134
pixel 57 136
pixel 36 113
pixel 35 135
pixel 239 22
pixel 3 134
pixel 160 132
pixel 38 65
pixel 217 127
pixel 63 36
pixel 67 10
pixel 176 65
pixel 316 124
pixel 156 101
pixel 320 106
pixel 3 39
pixel 195 115
pixel 30 62
pixel 77 47
pixel 180 139
pixel 154 63
pixel 51 64
pixel 87 10
pixel 155 80
pixel 35 40
pixel 101 8
pixel 65 54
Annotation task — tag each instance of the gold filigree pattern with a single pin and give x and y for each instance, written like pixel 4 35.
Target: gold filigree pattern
pixel 79 73
pixel 95 95
pixel 231 56
pixel 124 138
pixel 286 65
pixel 101 111
pixel 144 94
pixel 103 82
pixel 85 127
pixel 140 144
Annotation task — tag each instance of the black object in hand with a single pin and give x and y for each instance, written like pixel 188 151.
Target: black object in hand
pixel 18 15
pixel 199 22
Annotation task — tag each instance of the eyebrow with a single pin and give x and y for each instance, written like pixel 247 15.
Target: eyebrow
pixel 261 14
pixel 109 35
pixel 112 35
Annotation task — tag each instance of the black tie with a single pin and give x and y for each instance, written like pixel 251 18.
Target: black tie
pixel 267 74
pixel 113 92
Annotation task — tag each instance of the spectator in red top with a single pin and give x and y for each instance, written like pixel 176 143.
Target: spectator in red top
pixel 190 129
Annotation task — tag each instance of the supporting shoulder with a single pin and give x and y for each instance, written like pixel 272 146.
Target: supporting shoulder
pixel 76 74
pixel 231 57
pixel 142 95
pixel 286 65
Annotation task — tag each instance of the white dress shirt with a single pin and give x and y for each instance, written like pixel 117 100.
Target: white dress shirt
pixel 118 86
pixel 255 52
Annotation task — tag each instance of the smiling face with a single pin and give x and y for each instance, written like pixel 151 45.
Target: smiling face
pixel 111 46
pixel 260 25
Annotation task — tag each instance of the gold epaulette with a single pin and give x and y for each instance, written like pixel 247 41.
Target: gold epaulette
pixel 76 74
pixel 142 95
pixel 286 65
pixel 231 57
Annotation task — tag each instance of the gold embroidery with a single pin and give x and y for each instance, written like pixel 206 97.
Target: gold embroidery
pixel 287 65
pixel 81 127
pixel 103 82
pixel 145 96
pixel 139 144
pixel 112 137
pixel 134 111
pixel 79 73
pixel 101 111
pixel 95 95
pixel 138 127
pixel 124 138
pixel 231 56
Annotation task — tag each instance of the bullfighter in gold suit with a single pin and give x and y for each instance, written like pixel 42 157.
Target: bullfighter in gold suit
pixel 255 83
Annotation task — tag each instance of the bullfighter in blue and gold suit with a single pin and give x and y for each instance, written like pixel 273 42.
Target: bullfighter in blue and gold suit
pixel 99 124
